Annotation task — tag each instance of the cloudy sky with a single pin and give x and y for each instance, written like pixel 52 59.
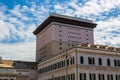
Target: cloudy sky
pixel 19 18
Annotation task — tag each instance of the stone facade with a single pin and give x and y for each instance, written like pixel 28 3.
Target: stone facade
pixel 85 62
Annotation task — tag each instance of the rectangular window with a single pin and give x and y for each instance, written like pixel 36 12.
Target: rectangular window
pixel 82 76
pixel 91 60
pixel 109 77
pixel 63 78
pixel 118 62
pixel 60 43
pixel 72 60
pixel 115 62
pixel 117 77
pixel 100 61
pixel 101 77
pixel 108 62
pixel 67 62
pixel 81 60
pixel 92 76
pixel 72 77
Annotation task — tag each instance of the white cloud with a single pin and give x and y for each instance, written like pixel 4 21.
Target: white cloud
pixel 22 20
pixel 20 51
pixel 108 32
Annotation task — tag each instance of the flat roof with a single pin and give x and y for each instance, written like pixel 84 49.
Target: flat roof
pixel 66 20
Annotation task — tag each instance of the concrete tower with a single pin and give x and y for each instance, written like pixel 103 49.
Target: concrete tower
pixel 59 33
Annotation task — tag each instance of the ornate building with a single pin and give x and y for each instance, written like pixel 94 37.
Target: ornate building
pixel 84 62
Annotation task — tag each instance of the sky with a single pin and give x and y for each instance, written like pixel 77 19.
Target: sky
pixel 19 18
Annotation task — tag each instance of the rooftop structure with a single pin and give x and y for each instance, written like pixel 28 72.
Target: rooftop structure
pixel 65 20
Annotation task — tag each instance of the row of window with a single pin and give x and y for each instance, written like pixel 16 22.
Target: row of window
pixel 74 33
pixel 64 77
pixel 91 60
pixel 74 37
pixel 76 28
pixel 100 76
pixel 57 65
pixel 71 41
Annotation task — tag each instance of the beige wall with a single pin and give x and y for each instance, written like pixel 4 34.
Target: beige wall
pixel 78 68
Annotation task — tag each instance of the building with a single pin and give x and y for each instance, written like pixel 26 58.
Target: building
pixel 18 70
pixel 84 62
pixel 65 50
pixel 25 70
pixel 59 33
pixel 7 72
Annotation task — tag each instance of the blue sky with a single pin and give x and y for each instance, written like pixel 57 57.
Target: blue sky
pixel 19 18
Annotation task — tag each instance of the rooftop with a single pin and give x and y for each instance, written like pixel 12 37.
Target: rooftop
pixel 5 66
pixel 66 20
pixel 99 47
pixel 18 64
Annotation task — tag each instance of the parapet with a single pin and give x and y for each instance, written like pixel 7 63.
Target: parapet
pixel 101 47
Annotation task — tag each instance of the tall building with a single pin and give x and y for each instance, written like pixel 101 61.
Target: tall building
pixel 84 62
pixel 59 33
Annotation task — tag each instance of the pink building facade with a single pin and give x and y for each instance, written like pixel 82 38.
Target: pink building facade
pixel 59 33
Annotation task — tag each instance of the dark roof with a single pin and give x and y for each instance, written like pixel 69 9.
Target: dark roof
pixel 24 65
pixel 66 20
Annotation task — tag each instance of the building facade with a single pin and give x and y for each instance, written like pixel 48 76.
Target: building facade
pixel 59 33
pixel 84 62
pixel 18 70
pixel 7 72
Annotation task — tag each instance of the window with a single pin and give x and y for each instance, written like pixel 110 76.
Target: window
pixel 60 43
pixel 60 35
pixel 72 60
pixel 81 60
pixel 63 78
pixel 108 62
pixel 101 76
pixel 92 77
pixel 82 76
pixel 91 60
pixel 60 48
pixel 68 44
pixel 100 61
pixel 67 62
pixel 60 31
pixel 117 77
pixel 116 62
pixel 109 77
pixel 73 77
